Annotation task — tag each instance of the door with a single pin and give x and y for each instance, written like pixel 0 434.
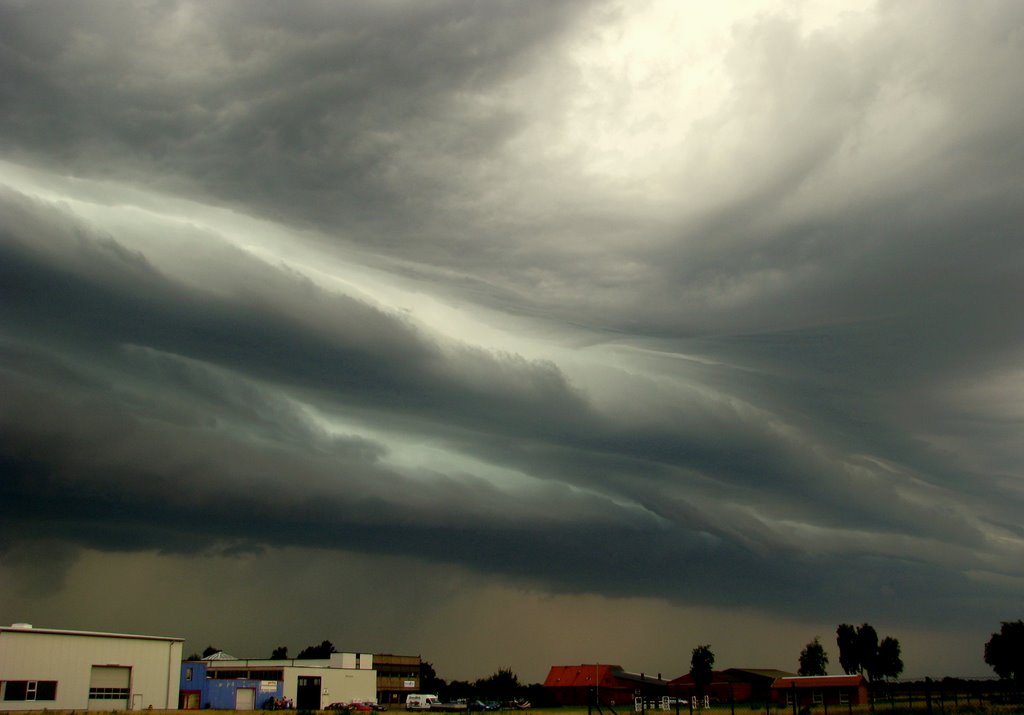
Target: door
pixel 245 698
pixel 109 686
pixel 307 695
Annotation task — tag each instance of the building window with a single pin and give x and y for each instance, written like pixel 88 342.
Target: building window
pixel 22 690
pixel 816 697
pixel 188 674
pixel 108 693
pixel 844 697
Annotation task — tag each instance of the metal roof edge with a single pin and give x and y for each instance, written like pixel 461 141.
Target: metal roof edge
pixel 94 634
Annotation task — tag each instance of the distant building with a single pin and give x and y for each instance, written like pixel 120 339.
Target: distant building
pixel 223 682
pixel 51 669
pixel 397 676
pixel 737 685
pixel 821 690
pixel 605 684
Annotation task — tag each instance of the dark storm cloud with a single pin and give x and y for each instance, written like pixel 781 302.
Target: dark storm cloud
pixel 153 447
pixel 312 110
pixel 776 362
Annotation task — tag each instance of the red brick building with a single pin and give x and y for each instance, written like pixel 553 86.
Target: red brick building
pixel 821 689
pixel 737 685
pixel 609 684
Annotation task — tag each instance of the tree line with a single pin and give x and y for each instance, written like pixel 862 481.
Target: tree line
pixel 501 686
pixel 862 653
pixel 318 652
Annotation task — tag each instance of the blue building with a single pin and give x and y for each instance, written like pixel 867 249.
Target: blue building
pixel 198 690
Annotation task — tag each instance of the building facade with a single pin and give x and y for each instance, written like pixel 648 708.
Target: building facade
pixel 397 676
pixel 306 684
pixel 735 685
pixel 592 684
pixel 43 668
pixel 813 690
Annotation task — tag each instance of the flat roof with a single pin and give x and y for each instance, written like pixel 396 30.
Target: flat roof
pixel 93 634
pixel 818 681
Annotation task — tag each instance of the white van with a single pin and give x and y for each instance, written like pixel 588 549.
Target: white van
pixel 417 701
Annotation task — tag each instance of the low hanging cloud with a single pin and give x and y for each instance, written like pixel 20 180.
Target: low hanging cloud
pixel 544 292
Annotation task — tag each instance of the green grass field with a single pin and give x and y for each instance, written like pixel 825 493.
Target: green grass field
pixel 917 707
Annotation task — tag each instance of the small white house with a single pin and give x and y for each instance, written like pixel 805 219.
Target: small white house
pixel 43 668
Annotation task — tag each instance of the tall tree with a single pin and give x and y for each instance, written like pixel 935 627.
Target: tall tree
pixel 813 659
pixel 867 650
pixel 280 653
pixel 503 685
pixel 702 660
pixel 888 661
pixel 846 639
pixel 1004 651
pixel 860 652
pixel 210 650
pixel 429 682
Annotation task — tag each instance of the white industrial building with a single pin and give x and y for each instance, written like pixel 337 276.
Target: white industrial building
pixel 43 668
pixel 224 682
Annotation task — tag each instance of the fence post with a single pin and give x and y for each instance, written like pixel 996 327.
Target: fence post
pixel 793 695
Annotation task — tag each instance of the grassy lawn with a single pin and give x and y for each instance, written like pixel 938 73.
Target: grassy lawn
pixel 947 707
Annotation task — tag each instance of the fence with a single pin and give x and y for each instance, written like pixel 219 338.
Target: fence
pixel 928 697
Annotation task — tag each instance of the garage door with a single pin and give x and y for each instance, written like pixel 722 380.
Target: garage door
pixel 109 687
pixel 245 699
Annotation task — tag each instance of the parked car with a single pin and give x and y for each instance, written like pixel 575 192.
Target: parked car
pixel 338 706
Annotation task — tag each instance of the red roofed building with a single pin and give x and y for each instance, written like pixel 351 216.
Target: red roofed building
pixel 821 689
pixel 738 685
pixel 610 684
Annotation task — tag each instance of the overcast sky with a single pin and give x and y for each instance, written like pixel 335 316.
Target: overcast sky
pixel 514 333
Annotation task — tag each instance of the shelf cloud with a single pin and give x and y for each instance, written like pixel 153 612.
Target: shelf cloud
pixel 551 304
